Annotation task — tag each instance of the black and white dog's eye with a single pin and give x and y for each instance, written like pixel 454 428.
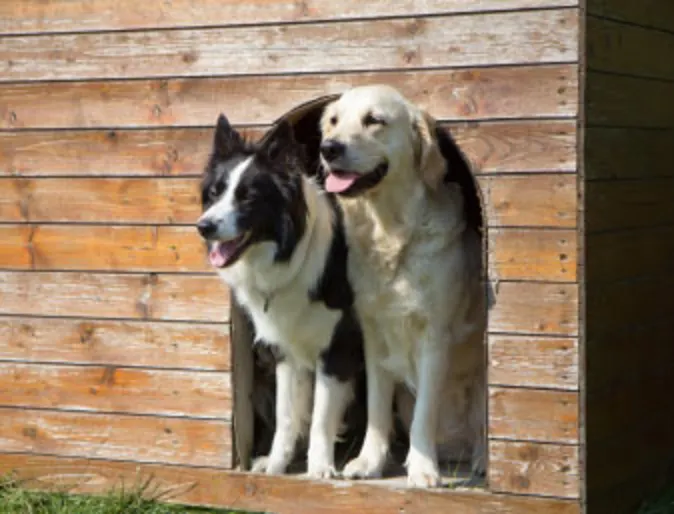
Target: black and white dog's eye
pixel 333 120
pixel 370 119
pixel 217 189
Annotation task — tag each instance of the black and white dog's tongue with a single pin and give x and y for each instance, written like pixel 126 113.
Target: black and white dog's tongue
pixel 222 251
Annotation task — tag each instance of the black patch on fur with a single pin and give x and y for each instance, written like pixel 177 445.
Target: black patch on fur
pixel 333 288
pixel 269 197
pixel 344 358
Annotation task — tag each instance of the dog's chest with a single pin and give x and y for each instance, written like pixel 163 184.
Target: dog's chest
pixel 302 329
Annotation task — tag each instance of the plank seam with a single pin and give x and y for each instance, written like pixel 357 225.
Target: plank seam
pixel 317 21
pixel 122 414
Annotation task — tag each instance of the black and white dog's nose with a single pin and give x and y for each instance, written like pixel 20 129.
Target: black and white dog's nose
pixel 331 149
pixel 206 228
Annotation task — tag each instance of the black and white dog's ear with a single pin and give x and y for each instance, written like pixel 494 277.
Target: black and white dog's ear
pixel 226 140
pixel 278 141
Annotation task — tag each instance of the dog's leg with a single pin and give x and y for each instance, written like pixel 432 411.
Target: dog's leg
pixel 293 402
pixel 372 457
pixel 422 459
pixel 331 398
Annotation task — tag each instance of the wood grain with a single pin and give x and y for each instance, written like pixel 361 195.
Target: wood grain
pixel 533 415
pixel 651 13
pixel 628 204
pixel 518 146
pixel 532 254
pixel 533 362
pixel 515 146
pixel 547 36
pixel 514 254
pixel 624 153
pixel 207 486
pixel 614 100
pixel 625 48
pixel 112 152
pixel 534 308
pixel 116 200
pixel 510 92
pixel 629 254
pixel 102 248
pixel 116 343
pixel 117 437
pixel 532 468
pixel 535 200
pixel 117 390
pixel 35 16
pixel 101 295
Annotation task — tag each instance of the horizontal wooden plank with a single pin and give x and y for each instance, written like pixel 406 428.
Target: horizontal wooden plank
pixel 533 361
pixel 629 254
pixel 117 437
pixel 613 205
pixel 119 390
pixel 534 308
pixel 278 494
pixel 116 343
pixel 548 200
pixel 532 468
pixel 518 147
pixel 102 248
pixel 533 415
pixel 650 13
pixel 120 200
pixel 491 147
pixel 113 152
pixel 626 48
pixel 615 100
pixel 510 92
pixel 495 38
pixel 102 295
pixel 532 254
pixel 514 254
pixel 549 36
pixel 35 16
pixel 624 153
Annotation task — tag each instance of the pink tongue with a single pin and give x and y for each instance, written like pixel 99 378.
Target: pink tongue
pixel 221 252
pixel 338 183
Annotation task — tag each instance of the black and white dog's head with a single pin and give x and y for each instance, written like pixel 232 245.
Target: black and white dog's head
pixel 252 196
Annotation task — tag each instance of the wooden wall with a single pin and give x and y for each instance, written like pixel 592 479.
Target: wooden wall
pixel 629 225
pixel 113 332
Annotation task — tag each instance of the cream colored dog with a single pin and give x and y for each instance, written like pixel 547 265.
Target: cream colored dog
pixel 416 270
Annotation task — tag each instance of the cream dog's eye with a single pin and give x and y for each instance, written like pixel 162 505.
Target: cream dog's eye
pixel 333 120
pixel 369 120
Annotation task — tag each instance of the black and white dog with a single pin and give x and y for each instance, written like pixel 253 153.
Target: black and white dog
pixel 277 240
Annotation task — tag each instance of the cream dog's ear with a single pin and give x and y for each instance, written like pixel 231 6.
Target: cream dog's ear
pixel 431 165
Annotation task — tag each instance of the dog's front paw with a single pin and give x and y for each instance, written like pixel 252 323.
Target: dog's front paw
pixel 364 467
pixel 422 472
pixel 268 465
pixel 321 470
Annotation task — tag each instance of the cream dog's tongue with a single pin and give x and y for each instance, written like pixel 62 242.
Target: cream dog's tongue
pixel 339 183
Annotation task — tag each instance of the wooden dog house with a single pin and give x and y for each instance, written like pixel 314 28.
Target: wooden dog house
pixel 115 339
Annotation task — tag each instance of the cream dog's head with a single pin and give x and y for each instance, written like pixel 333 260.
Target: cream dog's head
pixel 372 133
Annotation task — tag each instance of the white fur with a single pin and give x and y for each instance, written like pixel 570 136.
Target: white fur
pixel 416 275
pixel 276 295
pixel 223 212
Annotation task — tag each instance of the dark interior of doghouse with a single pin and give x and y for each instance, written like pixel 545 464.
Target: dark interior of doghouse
pixel 305 120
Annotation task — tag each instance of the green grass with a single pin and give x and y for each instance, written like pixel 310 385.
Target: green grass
pixel 16 500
